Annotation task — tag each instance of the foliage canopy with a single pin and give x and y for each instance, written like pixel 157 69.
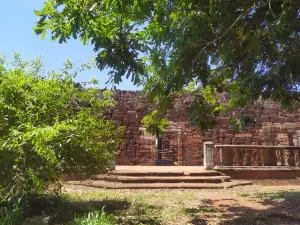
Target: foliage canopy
pixel 49 127
pixel 249 49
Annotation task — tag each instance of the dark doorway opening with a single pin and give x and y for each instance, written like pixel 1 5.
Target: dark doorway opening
pixel 165 152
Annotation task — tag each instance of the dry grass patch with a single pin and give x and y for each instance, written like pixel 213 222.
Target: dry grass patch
pixel 251 205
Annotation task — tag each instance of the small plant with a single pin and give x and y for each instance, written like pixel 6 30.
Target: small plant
pixel 155 124
pixel 11 215
pixel 95 218
pixel 241 123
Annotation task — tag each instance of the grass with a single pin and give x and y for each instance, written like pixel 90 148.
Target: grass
pixel 280 195
pixel 168 207
pixel 11 215
pixel 202 209
pixel 190 207
pixel 243 194
pixel 94 218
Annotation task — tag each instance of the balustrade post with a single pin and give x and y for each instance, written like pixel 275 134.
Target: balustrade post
pixel 253 158
pixel 221 157
pixel 236 157
pixel 247 158
pixel 280 158
pixel 296 152
pixel 208 155
pixel 287 154
pixel 262 157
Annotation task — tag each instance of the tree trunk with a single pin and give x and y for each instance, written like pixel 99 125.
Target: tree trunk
pixel 156 140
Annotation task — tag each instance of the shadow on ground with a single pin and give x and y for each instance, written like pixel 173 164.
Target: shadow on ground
pixel 63 211
pixel 281 208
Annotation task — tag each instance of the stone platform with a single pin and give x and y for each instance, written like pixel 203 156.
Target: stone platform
pixel 166 177
pixel 261 172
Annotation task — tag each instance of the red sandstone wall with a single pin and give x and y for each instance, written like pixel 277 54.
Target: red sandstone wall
pixel 273 126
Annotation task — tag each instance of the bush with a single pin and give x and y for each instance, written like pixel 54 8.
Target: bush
pixel 95 218
pixel 11 215
pixel 50 127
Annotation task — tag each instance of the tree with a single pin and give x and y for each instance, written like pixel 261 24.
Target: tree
pixel 155 124
pixel 50 128
pixel 249 49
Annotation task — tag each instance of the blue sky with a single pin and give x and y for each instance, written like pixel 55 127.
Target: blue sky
pixel 17 20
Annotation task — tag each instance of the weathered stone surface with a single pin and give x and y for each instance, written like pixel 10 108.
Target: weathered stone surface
pixel 240 140
pixel 243 135
pixel 273 126
pixel 230 136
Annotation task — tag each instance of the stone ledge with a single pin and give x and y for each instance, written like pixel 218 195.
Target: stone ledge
pixel 117 185
pixel 257 168
pixel 261 173
pixel 259 146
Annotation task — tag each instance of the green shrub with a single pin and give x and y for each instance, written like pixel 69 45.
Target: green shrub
pixel 95 218
pixel 49 127
pixel 12 215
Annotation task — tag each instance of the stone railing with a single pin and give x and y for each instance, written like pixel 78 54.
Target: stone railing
pixel 250 155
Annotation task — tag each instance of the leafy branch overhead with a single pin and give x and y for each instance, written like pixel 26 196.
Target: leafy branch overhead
pixel 155 123
pixel 249 49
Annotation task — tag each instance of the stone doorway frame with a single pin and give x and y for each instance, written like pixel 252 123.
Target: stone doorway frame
pixel 179 149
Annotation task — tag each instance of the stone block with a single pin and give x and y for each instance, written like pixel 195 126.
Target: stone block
pixel 240 140
pixel 221 140
pixel 228 140
pixel 147 142
pixel 222 135
pixel 243 135
pixel 230 136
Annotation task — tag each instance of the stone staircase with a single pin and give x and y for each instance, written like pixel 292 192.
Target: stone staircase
pixel 120 179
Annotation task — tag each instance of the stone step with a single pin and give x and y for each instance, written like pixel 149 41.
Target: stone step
pixel 167 179
pixel 164 174
pixel 118 185
pixel 206 173
pixel 144 173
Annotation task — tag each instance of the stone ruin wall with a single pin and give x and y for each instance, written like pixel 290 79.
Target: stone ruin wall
pixel 273 126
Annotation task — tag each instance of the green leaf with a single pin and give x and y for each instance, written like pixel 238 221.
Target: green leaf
pixel 38 13
pixel 47 127
pixel 93 6
pixel 230 46
pixel 38 30
pixel 44 34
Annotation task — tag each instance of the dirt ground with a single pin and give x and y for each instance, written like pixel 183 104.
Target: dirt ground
pixel 251 205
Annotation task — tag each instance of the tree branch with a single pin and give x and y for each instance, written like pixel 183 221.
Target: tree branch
pixel 272 10
pixel 224 34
